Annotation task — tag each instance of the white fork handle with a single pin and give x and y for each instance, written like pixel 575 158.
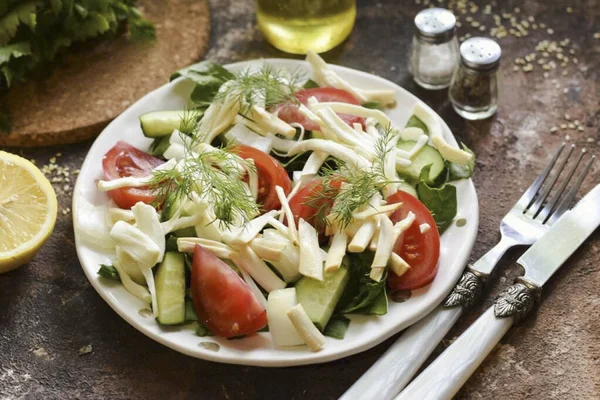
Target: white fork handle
pixel 386 378
pixel 448 373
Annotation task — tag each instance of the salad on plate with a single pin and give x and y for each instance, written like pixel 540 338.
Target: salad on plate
pixel 278 203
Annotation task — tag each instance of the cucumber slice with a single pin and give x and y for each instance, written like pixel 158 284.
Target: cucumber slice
pixel 162 123
pixel 170 289
pixel 408 188
pixel 426 156
pixel 319 298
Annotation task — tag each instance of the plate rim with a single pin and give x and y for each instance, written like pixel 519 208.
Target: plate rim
pixel 316 358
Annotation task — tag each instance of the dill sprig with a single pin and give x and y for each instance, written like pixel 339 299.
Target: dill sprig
pixel 265 87
pixel 359 185
pixel 383 147
pixel 214 176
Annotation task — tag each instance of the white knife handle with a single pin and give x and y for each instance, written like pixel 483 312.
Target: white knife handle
pixel 446 375
pixel 386 378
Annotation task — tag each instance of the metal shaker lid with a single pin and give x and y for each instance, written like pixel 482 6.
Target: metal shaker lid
pixel 480 53
pixel 435 25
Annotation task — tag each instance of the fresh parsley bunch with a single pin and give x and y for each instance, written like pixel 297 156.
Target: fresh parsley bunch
pixel 34 32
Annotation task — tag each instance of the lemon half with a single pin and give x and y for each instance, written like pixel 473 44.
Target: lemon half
pixel 28 209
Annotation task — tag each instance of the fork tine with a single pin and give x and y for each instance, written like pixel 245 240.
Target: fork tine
pixel 539 201
pixel 529 196
pixel 549 207
pixel 570 196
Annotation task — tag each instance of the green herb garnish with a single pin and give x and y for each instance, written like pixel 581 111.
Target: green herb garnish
pixel 214 176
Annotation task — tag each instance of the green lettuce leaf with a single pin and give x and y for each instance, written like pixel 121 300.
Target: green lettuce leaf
pixel 441 201
pixel 208 78
pixel 362 294
pixel 337 327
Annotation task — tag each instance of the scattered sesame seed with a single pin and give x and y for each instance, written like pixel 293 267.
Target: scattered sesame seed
pixel 597 35
pixel 569 10
pixel 567 137
pixel 566 90
pixel 482 28
pixel 516 68
pixel 571 126
pixel 576 122
pixel 468 18
pixel 475 24
pixel 567 117
pixel 553 129
pixel 590 140
pixel 517 10
pixel 543 26
pixel 534 26
pixel 546 75
pixel 580 128
pixel 563 126
pixel 550 31
pixel 528 68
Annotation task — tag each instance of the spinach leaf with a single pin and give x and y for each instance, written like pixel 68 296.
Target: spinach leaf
pixel 109 272
pixel 415 122
pixel 457 171
pixel 337 327
pixel 202 330
pixel 310 84
pixel 441 201
pixel 362 294
pixel 208 78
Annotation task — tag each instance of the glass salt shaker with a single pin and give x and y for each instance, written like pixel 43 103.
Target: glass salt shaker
pixel 434 54
pixel 475 85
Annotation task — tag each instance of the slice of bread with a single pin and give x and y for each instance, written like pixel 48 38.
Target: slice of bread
pixel 86 90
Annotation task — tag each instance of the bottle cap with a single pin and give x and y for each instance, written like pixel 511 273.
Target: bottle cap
pixel 435 25
pixel 480 53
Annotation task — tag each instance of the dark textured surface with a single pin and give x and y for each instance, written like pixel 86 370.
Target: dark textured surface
pixel 49 311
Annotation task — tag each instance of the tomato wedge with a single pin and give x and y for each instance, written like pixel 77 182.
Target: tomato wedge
pixel 420 250
pixel 222 300
pixel 289 112
pixel 306 203
pixel 125 160
pixel 270 174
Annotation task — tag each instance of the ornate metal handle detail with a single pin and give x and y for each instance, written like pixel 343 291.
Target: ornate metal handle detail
pixel 517 300
pixel 467 290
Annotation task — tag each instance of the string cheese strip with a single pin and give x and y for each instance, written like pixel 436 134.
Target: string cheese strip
pixel 398 264
pixel 363 236
pixel 385 246
pixel 131 181
pixel 247 259
pixel 289 216
pixel 313 338
pixel 188 244
pixel 336 252
pixel 250 230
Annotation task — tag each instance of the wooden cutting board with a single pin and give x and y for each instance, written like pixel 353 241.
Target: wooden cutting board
pixel 85 91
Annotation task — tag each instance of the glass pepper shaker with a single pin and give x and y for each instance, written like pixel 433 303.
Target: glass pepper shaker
pixel 434 54
pixel 475 85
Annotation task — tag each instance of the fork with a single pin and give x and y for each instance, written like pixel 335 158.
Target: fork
pixel 524 224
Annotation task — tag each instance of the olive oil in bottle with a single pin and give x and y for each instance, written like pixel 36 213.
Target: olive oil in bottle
pixel 296 26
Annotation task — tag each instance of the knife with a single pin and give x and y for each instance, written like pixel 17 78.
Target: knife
pixel 447 374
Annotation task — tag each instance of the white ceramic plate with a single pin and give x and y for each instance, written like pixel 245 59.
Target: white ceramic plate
pixel 365 331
